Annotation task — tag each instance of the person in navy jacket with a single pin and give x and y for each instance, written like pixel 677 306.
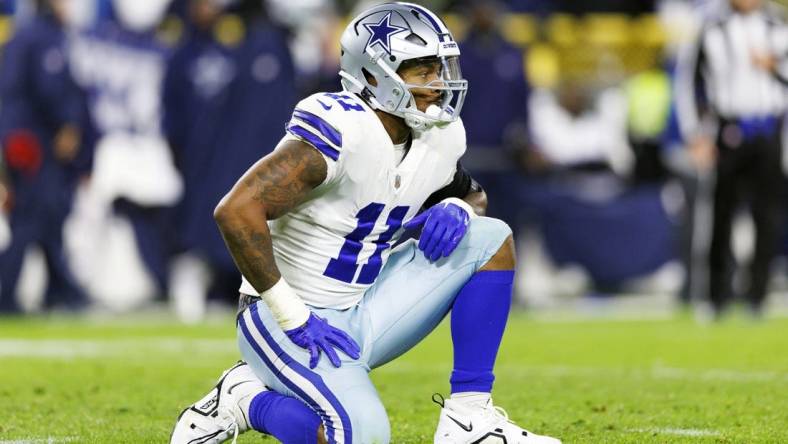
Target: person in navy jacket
pixel 41 120
pixel 225 101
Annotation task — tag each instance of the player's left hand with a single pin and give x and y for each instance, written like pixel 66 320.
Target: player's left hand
pixel 445 225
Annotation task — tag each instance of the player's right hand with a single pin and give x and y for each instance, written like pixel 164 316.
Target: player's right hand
pixel 317 334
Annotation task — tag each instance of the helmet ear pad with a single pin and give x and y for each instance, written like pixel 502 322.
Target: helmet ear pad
pixel 389 93
pixel 390 104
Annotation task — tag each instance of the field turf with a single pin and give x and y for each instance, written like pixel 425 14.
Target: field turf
pixel 585 381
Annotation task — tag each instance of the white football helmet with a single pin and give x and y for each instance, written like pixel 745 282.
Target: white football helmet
pixel 379 40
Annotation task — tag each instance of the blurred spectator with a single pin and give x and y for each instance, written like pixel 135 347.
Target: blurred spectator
pixel 648 108
pixel 594 6
pixel 40 128
pixel 660 158
pixel 5 206
pixel 682 21
pixel 589 215
pixel 731 103
pixel 539 7
pixel 121 213
pixel 573 130
pixel 225 104
pixel 495 111
pixel 314 26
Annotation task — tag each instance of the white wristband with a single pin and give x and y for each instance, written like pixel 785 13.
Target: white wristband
pixel 462 204
pixel 287 308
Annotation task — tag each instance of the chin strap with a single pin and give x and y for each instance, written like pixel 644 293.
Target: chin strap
pixel 423 123
pixel 414 121
pixel 417 123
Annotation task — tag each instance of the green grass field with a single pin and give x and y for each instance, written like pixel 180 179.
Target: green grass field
pixel 592 381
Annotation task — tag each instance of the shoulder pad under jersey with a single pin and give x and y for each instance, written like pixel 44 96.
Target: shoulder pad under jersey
pixel 326 121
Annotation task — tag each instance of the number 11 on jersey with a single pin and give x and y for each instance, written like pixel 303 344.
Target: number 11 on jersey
pixel 344 267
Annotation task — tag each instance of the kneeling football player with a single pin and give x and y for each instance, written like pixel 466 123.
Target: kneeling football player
pixel 330 289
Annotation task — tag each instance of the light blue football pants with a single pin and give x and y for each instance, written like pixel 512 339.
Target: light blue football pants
pixel 407 301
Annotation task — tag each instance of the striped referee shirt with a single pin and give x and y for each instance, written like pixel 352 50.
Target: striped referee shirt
pixel 717 77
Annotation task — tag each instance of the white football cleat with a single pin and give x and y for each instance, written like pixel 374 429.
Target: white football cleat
pixel 460 424
pixel 218 416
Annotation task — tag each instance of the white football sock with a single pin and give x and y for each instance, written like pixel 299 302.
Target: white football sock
pixel 471 399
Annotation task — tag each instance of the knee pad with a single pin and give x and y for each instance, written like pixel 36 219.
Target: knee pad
pixel 486 234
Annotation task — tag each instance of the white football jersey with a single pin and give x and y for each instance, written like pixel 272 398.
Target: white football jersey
pixel 333 246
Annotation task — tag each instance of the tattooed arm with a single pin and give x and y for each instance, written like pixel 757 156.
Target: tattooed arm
pixel 273 186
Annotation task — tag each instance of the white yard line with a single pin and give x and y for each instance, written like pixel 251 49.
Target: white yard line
pixel 661 372
pixel 677 432
pixel 48 440
pixel 718 374
pixel 86 348
pixel 656 372
pixel 75 348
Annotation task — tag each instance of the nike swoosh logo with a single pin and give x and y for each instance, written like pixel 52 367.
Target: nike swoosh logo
pixel 230 390
pixel 467 428
pixel 325 107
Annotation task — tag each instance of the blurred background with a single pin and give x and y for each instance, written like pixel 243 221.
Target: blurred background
pixel 123 122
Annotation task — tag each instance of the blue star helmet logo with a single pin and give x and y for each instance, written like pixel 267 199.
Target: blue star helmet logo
pixel 380 33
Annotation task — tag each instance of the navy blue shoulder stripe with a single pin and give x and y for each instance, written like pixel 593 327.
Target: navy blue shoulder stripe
pixel 329 132
pixel 313 140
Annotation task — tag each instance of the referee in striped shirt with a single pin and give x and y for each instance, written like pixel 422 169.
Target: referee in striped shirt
pixel 731 100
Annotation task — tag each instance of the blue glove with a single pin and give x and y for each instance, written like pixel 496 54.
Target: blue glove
pixel 316 334
pixel 445 225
